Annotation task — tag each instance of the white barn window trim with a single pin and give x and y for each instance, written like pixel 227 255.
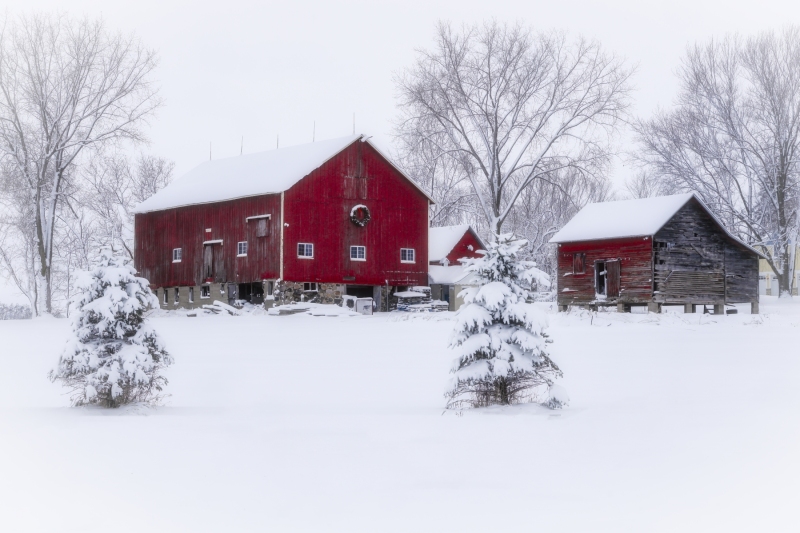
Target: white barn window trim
pixel 305 250
pixel 407 255
pixel 177 255
pixel 241 249
pixel 358 253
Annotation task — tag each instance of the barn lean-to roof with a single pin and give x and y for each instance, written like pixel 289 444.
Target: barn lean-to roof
pixel 269 172
pixel 630 218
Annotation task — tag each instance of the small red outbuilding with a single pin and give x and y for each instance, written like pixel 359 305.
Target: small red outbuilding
pixel 668 250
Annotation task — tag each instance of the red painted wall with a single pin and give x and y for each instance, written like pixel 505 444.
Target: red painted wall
pixel 636 269
pixel 317 210
pixel 157 233
pixel 461 249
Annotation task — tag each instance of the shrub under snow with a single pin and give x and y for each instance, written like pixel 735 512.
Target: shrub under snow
pixel 114 357
pixel 499 337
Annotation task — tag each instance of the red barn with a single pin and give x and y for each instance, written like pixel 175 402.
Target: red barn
pixel 669 250
pixel 311 222
pixel 446 276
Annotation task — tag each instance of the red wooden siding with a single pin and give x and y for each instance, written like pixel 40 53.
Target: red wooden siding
pixel 635 266
pixel 462 248
pixel 157 233
pixel 317 210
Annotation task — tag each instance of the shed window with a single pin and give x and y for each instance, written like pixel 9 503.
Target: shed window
pixel 166 296
pixel 310 287
pixel 241 249
pixel 191 294
pixel 177 295
pixel 205 291
pixel 305 250
pixel 358 253
pixel 579 263
pixel 177 253
pixel 406 255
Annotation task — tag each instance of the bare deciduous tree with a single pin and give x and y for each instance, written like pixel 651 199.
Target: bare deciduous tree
pixel 734 138
pixel 114 187
pixel 509 107
pixel 67 88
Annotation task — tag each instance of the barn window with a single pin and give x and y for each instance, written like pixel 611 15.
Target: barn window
pixel 205 291
pixel 358 253
pixel 191 294
pixel 406 255
pixel 177 295
pixel 176 255
pixel 579 263
pixel 241 249
pixel 310 287
pixel 166 296
pixel 305 250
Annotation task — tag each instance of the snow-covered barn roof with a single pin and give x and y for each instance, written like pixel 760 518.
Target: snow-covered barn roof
pixel 629 218
pixel 267 172
pixel 442 240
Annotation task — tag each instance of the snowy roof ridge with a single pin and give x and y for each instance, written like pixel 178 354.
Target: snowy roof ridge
pixel 442 240
pixel 246 175
pixel 642 217
pixel 256 174
pixel 622 218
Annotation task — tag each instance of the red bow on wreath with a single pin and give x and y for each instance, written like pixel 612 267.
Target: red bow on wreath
pixel 359 215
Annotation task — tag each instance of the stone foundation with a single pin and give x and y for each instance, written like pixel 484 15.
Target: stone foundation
pixel 217 293
pixel 292 291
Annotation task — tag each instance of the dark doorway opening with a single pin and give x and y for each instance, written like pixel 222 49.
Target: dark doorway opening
pixel 251 292
pixel 600 277
pixel 359 291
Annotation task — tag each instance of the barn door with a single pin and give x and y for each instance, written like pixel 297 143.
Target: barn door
pixel 612 278
pixel 208 262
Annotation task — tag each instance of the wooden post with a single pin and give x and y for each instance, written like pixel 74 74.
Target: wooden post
pixel 653 307
pixel 719 309
pixel 689 308
pixel 753 308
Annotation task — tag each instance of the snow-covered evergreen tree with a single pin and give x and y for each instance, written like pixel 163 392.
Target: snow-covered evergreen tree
pixel 114 357
pixel 499 337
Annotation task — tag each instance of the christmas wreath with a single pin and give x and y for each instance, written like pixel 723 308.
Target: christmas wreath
pixel 359 215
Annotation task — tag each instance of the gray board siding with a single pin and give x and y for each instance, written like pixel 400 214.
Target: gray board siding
pixel 696 262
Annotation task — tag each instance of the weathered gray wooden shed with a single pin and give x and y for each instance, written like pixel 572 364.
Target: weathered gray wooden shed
pixel 668 250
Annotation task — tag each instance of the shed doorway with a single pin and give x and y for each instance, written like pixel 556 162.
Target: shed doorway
pixel 606 278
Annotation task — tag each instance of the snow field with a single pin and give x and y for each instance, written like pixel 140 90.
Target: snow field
pixel 302 423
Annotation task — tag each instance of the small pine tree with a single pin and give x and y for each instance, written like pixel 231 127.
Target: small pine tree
pixel 114 357
pixel 499 336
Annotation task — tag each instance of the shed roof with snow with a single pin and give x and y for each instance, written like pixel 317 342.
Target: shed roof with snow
pixel 269 172
pixel 442 240
pixel 629 218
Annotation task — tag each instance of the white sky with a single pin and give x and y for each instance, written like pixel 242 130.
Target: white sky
pixel 260 69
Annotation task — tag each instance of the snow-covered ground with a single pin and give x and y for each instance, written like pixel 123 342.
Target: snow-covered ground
pixel 303 423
